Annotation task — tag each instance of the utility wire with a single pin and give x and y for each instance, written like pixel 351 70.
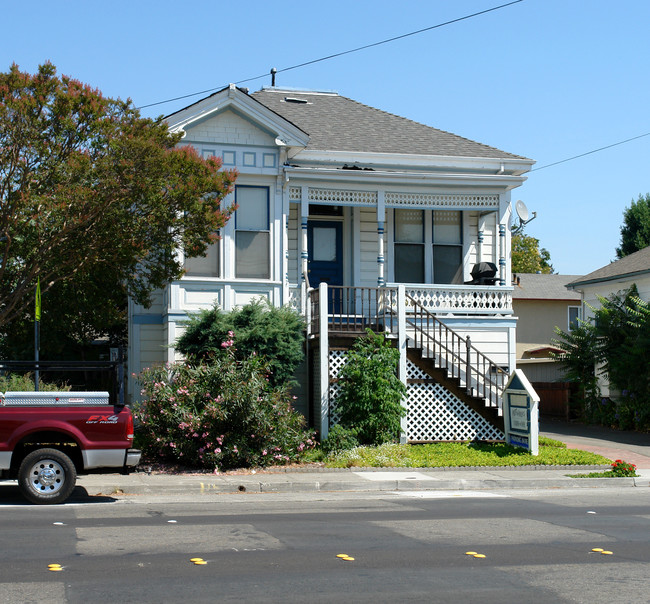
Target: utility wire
pixel 339 54
pixel 562 161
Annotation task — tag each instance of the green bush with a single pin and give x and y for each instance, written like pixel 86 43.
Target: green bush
pixel 275 333
pixel 219 415
pixel 617 339
pixel 339 439
pixel 13 382
pixel 370 396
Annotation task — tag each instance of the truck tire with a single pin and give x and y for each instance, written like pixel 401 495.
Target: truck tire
pixel 47 476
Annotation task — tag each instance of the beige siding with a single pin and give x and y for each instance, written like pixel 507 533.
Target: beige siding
pixel 537 322
pixel 368 247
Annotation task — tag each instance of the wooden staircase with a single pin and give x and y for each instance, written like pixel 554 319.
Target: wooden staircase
pixel 338 314
pixel 455 363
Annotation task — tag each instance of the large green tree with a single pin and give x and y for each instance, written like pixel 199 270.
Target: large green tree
pixel 94 200
pixel 527 257
pixel 635 231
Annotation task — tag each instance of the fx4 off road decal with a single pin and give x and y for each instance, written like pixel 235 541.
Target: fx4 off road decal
pixel 102 419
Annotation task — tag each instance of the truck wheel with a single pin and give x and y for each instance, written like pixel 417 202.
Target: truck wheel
pixel 47 476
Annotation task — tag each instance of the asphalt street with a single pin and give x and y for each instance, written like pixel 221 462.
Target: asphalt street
pixel 527 546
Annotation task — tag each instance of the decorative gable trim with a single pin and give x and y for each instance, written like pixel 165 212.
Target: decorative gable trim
pixel 287 135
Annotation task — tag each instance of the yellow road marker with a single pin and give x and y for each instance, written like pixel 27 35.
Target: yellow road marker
pixel 196 559
pixel 54 566
pixel 341 555
pixel 479 555
pixel 597 549
pixel 471 553
pixel 200 562
pixel 348 558
pixel 606 552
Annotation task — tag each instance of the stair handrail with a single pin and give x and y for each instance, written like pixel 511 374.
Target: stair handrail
pixel 456 353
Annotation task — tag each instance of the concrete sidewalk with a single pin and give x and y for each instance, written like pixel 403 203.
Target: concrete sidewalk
pixel 630 446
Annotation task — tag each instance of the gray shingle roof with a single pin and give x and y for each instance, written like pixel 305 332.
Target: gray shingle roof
pixel 337 123
pixel 634 264
pixel 534 286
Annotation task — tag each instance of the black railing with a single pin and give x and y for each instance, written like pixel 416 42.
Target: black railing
pixel 353 309
pixel 450 351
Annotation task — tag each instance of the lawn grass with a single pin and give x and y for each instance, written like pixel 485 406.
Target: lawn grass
pixel 454 455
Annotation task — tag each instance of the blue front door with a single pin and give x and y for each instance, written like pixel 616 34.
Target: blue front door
pixel 325 245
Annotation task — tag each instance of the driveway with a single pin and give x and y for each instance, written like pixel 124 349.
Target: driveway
pixel 633 447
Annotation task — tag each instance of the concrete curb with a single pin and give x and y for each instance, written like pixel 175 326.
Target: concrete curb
pixel 421 480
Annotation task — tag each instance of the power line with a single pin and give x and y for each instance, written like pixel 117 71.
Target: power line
pixel 340 54
pixel 562 161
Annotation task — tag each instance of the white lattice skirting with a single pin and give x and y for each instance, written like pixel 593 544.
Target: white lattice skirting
pixel 433 413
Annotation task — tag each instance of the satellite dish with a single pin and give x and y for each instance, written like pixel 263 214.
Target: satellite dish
pixel 522 211
pixel 524 217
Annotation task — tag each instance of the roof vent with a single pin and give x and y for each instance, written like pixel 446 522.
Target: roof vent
pixel 295 99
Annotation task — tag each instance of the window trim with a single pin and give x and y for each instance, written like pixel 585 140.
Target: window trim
pixel 237 229
pixel 422 243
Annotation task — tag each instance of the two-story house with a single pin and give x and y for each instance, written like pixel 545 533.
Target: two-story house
pixel 357 217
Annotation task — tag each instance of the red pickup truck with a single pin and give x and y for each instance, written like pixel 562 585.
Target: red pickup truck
pixel 47 438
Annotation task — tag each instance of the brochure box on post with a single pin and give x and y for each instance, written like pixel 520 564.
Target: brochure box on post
pixel 521 413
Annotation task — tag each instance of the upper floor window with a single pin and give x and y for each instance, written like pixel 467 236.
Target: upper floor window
pixel 409 246
pixel 252 233
pixel 428 246
pixel 447 246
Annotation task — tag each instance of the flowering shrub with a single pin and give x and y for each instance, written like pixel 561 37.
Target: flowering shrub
pixel 219 414
pixel 623 468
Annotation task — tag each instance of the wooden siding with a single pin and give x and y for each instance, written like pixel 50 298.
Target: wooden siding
pixel 368 247
pixel 228 128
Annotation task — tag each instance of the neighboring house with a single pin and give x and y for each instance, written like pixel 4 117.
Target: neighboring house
pixel 357 218
pixel 541 303
pixel 616 277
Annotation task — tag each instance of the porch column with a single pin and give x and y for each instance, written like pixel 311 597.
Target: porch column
pixel 304 253
pixel 324 362
pixel 381 217
pixel 502 253
pixel 402 343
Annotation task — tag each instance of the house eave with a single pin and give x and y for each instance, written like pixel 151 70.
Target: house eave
pixel 497 165
pixel 500 182
pixel 623 277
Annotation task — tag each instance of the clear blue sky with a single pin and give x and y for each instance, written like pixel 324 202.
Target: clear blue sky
pixel 547 79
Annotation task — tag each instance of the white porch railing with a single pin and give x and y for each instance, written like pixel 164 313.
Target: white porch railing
pixel 459 300
pixel 462 299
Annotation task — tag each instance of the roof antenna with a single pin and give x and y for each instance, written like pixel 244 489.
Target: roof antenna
pixel 273 72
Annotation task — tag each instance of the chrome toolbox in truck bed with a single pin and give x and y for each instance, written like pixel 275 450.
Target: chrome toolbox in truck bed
pixel 54 399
